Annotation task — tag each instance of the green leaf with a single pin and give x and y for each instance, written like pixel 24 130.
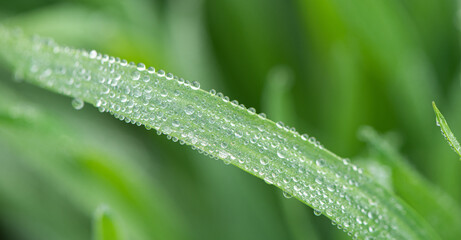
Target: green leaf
pixel 104 227
pixel 446 132
pixel 220 128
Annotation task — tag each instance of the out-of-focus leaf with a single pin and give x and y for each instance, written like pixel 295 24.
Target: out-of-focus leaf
pixel 428 200
pixel 104 225
pixel 278 104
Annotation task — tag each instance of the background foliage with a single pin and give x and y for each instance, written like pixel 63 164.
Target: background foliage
pixel 326 67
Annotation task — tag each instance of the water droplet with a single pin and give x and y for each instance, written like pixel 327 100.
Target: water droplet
pixel 137 93
pixel 331 187
pixel 141 67
pixel 279 124
pixel 135 75
pixel 146 79
pixel 238 133
pixel 175 123
pixel 264 161
pixel 268 180
pixel 317 212
pixel 189 110
pixel 287 195
pixel 195 85
pixel 93 54
pixel 77 103
pixel 280 155
pixel 319 180
pixel 222 154
pixel 305 137
pixel 161 73
pixel 320 162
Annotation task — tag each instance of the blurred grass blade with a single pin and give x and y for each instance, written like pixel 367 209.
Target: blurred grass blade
pixel 103 225
pixel 446 132
pixel 437 207
pixel 215 126
pixel 278 103
pixel 277 98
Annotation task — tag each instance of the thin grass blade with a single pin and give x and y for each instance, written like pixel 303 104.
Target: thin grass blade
pixel 446 131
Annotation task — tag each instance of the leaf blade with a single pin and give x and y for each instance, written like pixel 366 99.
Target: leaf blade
pixel 446 131
pixel 222 129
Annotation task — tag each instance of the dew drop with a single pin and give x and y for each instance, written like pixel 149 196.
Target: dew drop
pixel 264 161
pixel 77 103
pixel 222 154
pixel 331 187
pixel 305 137
pixel 175 123
pixel 146 79
pixel 93 54
pixel 320 162
pixel 317 212
pixel 279 124
pixel 238 133
pixel 195 85
pixel 189 110
pixel 141 67
pixel 135 75
pixel 161 73
pixel 319 180
pixel 280 155
pixel 268 180
pixel 137 93
pixel 287 195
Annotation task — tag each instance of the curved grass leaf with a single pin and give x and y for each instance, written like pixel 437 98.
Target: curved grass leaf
pixel 220 128
pixel 446 132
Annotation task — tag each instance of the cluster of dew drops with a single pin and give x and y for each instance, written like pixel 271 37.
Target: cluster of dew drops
pixel 214 125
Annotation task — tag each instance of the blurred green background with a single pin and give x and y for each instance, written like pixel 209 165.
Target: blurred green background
pixel 326 67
